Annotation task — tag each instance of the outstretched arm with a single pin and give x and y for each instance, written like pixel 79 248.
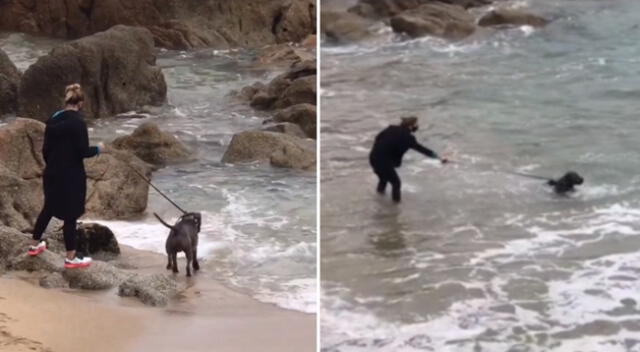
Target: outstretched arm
pixel 422 149
pixel 82 142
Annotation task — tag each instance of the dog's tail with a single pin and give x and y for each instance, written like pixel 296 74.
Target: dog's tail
pixel 163 222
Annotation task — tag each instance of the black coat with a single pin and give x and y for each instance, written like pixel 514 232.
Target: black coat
pixel 66 144
pixel 391 144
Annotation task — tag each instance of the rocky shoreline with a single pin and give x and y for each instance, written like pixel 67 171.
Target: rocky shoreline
pixel 447 19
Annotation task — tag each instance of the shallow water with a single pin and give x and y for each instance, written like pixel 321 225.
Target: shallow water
pixel 259 223
pixel 475 259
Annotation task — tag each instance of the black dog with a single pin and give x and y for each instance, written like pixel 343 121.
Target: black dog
pixel 183 237
pixel 566 183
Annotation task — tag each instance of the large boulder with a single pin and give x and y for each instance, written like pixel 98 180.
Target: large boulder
pixel 345 27
pixel 382 9
pixel 9 81
pixel 153 290
pixel 152 145
pixel 175 24
pixel 114 189
pixel 116 69
pixel 295 86
pixel 94 240
pixel 509 17
pixel 278 149
pixel 303 115
pixel 437 19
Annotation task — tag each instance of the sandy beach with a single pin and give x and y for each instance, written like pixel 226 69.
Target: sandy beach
pixel 207 316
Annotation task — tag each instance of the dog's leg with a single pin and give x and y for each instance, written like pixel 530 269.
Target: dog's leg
pixel 189 255
pixel 174 258
pixel 196 265
pixel 169 266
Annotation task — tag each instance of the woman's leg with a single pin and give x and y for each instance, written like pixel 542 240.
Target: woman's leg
pixel 42 223
pixel 70 237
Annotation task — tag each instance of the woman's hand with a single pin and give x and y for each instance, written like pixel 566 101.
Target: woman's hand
pixel 102 148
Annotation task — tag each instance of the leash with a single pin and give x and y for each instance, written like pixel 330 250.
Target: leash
pixel 156 188
pixel 514 173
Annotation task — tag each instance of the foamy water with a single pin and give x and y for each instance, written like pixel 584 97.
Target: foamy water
pixel 259 223
pixel 476 259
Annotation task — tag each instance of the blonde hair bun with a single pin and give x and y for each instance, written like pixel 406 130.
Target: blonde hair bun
pixel 73 94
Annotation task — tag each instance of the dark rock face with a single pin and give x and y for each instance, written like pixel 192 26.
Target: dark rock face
pixel 180 24
pixel 9 81
pixel 116 69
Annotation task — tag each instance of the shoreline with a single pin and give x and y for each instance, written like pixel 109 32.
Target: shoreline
pixel 206 316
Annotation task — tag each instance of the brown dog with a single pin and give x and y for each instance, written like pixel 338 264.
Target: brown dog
pixel 183 237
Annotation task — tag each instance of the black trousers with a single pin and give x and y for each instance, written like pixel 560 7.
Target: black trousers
pixel 387 174
pixel 68 230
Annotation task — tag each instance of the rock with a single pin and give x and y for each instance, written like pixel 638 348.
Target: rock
pixel 303 115
pixel 113 189
pixel 501 17
pixel 21 166
pixel 296 20
pixel 175 24
pixel 437 19
pixel 152 145
pixel 153 290
pixel 262 100
pixel 381 9
pixel 98 276
pixel 46 261
pixel 279 149
pixel 94 240
pixel 9 81
pixel 300 91
pixel 284 54
pixel 53 280
pixel 116 69
pixel 345 27
pixel 13 243
pixel 287 128
pixel 249 92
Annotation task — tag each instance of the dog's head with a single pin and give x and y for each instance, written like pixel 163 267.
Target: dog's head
pixel 571 178
pixel 196 218
pixel 566 183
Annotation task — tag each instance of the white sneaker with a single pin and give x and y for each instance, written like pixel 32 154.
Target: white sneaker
pixel 37 249
pixel 77 263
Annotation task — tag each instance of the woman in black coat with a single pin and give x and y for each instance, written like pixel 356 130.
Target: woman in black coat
pixel 66 145
pixel 388 150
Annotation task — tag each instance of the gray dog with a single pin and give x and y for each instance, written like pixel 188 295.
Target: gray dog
pixel 183 237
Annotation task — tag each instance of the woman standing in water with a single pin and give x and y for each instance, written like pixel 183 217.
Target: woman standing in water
pixel 66 145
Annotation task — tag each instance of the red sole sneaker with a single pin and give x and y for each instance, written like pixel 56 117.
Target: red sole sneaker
pixel 76 266
pixel 37 251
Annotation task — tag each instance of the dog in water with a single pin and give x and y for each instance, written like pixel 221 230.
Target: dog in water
pixel 183 237
pixel 566 183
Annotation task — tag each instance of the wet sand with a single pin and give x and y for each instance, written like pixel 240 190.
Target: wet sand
pixel 207 317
